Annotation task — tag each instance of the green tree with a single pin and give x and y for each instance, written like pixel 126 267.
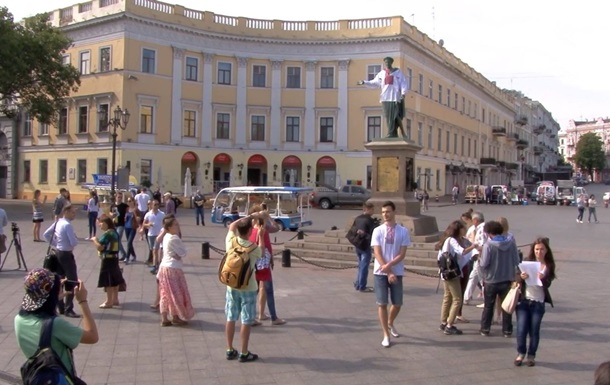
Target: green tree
pixel 32 74
pixel 589 153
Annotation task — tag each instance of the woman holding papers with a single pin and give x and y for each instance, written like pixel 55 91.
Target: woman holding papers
pixel 537 273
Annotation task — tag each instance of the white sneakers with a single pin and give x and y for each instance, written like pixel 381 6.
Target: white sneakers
pixel 386 342
pixel 393 331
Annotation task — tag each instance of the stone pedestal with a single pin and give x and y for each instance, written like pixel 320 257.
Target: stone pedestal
pixel 393 180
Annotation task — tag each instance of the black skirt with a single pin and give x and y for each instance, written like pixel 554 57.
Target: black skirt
pixel 110 273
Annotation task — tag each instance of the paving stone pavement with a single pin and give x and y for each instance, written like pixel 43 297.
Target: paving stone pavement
pixel 332 335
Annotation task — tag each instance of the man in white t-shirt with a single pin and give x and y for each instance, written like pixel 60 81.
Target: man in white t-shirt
pixel 478 220
pixel 142 199
pixel 153 222
pixel 389 242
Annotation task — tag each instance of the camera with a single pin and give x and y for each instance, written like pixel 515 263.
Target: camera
pixel 14 227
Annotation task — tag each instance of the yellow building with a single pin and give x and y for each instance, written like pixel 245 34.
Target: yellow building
pixel 244 101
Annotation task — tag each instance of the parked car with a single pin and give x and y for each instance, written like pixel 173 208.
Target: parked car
pixel 327 197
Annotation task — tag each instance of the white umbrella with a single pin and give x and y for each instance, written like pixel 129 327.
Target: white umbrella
pixel 188 188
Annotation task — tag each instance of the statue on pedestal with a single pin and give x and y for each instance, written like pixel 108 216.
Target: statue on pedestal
pixel 394 87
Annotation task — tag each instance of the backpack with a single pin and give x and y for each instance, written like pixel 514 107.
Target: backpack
pixel 235 269
pixel 448 265
pixel 45 367
pixel 177 202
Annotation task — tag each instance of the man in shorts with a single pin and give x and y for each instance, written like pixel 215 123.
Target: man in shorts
pixel 242 302
pixel 389 241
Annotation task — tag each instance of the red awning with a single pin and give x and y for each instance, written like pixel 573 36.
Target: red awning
pixel 222 159
pixel 189 157
pixel 257 160
pixel 326 161
pixel 291 161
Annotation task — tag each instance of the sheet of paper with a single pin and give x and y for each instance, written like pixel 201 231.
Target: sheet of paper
pixel 532 268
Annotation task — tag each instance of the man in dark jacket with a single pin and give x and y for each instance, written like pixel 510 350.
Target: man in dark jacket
pixel 498 264
pixel 360 236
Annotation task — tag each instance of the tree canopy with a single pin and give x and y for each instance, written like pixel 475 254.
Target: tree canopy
pixel 590 153
pixel 32 73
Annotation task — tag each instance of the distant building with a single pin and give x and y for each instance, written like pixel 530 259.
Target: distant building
pixel 569 136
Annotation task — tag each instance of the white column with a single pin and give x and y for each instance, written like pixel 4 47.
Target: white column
pixel 342 118
pixel 241 119
pixel 309 134
pixel 207 120
pixel 276 103
pixel 176 118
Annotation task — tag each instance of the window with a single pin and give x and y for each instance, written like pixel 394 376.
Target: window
pixel 420 133
pixel 293 128
pixel 85 63
pixel 62 170
pixel 102 111
pixel 27 171
pixel 65 60
pixel 190 124
pixel 431 89
pixel 476 110
pixel 294 77
pixel 475 148
pixel 440 94
pixel 224 73
pixel 439 145
pixel 102 166
pixel 146 119
pixel 428 178
pixel 192 68
pixel 43 171
pixel 483 115
pixel 448 97
pixel 448 136
pixel 463 149
pixel 410 79
pixel 455 151
pixel 430 133
pixel 372 71
pixel 373 128
pixel 83 119
pixel 438 179
pixel 148 61
pixel 259 76
pixel 420 88
pixel 81 171
pixel 43 129
pixel 418 177
pixel 455 101
pixel 469 147
pixel 27 125
pixel 469 108
pixel 105 59
pixel 257 132
pixel 463 104
pixel 62 127
pixel 145 168
pixel 327 77
pixel 326 129
pixel 223 125
pixel 409 129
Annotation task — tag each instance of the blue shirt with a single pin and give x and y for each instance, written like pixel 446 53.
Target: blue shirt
pixel 65 239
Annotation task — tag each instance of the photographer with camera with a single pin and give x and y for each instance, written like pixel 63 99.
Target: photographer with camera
pixel 3 223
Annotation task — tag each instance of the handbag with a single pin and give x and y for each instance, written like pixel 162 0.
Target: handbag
pixel 512 298
pixel 51 262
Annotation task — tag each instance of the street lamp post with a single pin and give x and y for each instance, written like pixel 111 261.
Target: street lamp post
pixel 120 120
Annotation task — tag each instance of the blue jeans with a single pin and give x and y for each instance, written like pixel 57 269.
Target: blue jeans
pixel 364 260
pixel 268 285
pixel 92 216
pixel 199 215
pixel 491 291
pixel 120 230
pixel 529 318
pixel 130 234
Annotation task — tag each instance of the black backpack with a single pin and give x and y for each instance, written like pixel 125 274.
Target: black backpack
pixel 177 202
pixel 448 265
pixel 45 366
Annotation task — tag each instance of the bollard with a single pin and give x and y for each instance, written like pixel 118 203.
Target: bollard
pixel 286 258
pixel 300 235
pixel 205 250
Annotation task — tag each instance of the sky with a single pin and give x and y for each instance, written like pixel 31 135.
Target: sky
pixel 551 51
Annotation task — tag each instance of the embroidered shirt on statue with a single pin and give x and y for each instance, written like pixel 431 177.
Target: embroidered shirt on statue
pixel 390 240
pixel 392 89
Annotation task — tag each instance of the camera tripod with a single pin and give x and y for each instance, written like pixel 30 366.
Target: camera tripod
pixel 19 252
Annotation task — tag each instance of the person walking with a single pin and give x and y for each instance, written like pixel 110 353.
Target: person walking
pixel 389 241
pixel 132 223
pixel 592 204
pixel 174 296
pixel 580 205
pixel 531 306
pixel 153 222
pixel 37 215
pixel 360 237
pixel 480 238
pixel 170 205
pixel 63 237
pixel 119 210
pixel 110 273
pixel 93 208
pixel 455 191
pixel 498 263
pixel 199 200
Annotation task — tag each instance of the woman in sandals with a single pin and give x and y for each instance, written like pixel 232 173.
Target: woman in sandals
pixel 531 306
pixel 175 299
pixel 110 273
pixel 37 215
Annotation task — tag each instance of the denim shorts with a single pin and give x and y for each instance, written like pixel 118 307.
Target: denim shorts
pixel 242 303
pixel 381 290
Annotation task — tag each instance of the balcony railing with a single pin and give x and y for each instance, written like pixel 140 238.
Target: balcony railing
pixel 513 136
pixel 498 131
pixel 512 166
pixel 489 162
pixel 522 143
pixel 538 150
pixel 539 129
pixel 521 120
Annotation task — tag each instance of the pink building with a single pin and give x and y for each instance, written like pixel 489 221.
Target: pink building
pixel 568 139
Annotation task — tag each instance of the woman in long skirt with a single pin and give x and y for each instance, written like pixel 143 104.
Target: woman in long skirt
pixel 110 277
pixel 174 293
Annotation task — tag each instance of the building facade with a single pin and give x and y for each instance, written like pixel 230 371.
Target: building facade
pixel 236 101
pixel 569 137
